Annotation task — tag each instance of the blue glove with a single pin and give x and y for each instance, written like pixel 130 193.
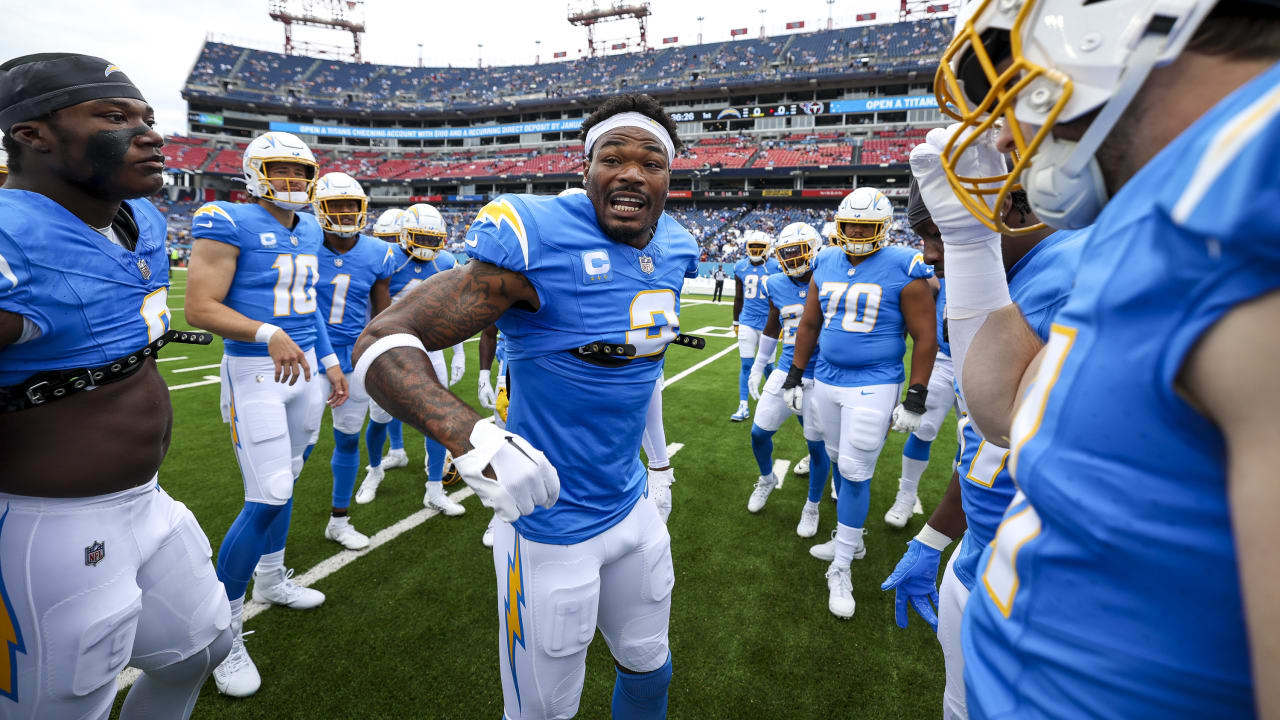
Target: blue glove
pixel 915 581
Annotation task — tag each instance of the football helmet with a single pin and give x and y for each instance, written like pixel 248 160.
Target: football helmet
pixel 4 166
pixel 387 226
pixel 451 475
pixel 865 207
pixel 422 231
pixel 333 187
pixel 1035 63
pixel 757 246
pixel 271 149
pixel 796 248
pixel 572 191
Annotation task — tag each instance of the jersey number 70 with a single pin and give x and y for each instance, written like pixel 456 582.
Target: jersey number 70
pixel 861 304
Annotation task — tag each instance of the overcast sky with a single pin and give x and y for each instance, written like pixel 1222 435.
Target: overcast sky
pixel 156 41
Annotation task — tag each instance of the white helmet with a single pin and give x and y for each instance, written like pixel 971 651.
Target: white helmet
pixel 866 207
pixel 796 247
pixel 829 231
pixel 757 246
pixel 572 191
pixel 273 148
pixel 4 164
pixel 1068 58
pixel 387 226
pixel 422 231
pixel 336 186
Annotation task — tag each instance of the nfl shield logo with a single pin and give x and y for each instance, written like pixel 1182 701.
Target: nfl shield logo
pixel 95 553
pixel 646 264
pixel 144 269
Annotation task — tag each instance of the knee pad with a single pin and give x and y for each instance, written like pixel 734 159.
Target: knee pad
pixel 852 469
pixel 377 414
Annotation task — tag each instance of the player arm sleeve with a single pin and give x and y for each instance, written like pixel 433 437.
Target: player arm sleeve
pixel 324 348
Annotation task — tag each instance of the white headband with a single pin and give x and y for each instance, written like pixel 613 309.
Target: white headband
pixel 636 120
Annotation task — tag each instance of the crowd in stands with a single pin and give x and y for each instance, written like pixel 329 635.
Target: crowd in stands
pixel 237 73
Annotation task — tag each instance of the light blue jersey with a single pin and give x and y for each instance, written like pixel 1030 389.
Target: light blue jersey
pixel 1112 588
pixel 588 419
pixel 788 297
pixel 92 300
pixel 944 342
pixel 276 271
pixel 1039 285
pixel 408 272
pixel 346 279
pixel 862 338
pixel 755 306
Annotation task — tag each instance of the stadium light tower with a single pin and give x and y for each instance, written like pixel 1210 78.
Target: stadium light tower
pixel 619 10
pixel 342 15
pixel 830 3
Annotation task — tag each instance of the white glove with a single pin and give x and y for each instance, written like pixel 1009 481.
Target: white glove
pixel 956 224
pixel 764 355
pixel 753 381
pixel 660 491
pixel 525 478
pixel 794 398
pixel 457 366
pixel 488 397
pixel 905 421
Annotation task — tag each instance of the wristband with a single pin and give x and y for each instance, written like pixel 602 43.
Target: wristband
pixel 381 345
pixel 265 331
pixel 932 538
pixel 914 401
pixel 735 323
pixel 330 360
pixel 794 377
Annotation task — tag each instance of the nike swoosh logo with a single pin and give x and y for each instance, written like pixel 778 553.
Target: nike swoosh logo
pixel 864 392
pixel 472 241
pixel 205 224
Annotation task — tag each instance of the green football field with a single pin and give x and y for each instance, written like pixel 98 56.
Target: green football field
pixel 409 628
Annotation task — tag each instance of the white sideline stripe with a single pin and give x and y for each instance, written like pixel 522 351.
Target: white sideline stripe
pixel 198 367
pixel 780 468
pixel 171 359
pixel 689 371
pixel 674 448
pixel 208 380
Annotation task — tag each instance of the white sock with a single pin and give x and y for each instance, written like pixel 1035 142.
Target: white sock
pixel 344 520
pixel 912 469
pixel 237 609
pixel 435 487
pixel 270 562
pixel 847 540
pixel 769 478
pixel 809 506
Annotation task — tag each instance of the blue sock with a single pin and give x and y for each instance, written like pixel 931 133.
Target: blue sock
pixel 768 369
pixel 396 433
pixel 278 533
pixel 916 449
pixel 642 696
pixel 306 454
pixel 743 373
pixel 854 502
pixel 762 448
pixel 819 469
pixel 243 544
pixel 374 438
pixel 345 464
pixel 435 459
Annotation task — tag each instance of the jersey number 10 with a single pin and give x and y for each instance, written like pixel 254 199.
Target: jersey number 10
pixel 295 284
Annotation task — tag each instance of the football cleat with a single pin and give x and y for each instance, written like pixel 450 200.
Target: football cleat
pixel 742 414
pixel 369 487
pixel 442 502
pixel 237 676
pixel 278 588
pixel 827 550
pixel 394 459
pixel 900 513
pixel 341 531
pixel 802 467
pixel 808 526
pixel 487 538
pixel 760 495
pixel 840 592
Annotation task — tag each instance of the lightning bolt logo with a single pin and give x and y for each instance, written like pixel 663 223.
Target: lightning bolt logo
pixel 498 212
pixel 10 636
pixel 212 210
pixel 515 618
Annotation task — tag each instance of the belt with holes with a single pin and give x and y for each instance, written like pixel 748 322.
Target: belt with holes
pixel 606 354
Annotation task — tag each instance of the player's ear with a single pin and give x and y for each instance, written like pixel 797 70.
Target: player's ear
pixel 33 135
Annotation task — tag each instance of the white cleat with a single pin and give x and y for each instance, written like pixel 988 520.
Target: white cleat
pixel 827 550
pixel 237 676
pixel 341 531
pixel 395 459
pixel 439 500
pixel 808 526
pixel 278 588
pixel 760 495
pixel 901 510
pixel 802 467
pixel 743 412
pixel 840 589
pixel 487 538
pixel 369 487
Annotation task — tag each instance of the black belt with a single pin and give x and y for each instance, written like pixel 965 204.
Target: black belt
pixel 605 354
pixel 46 387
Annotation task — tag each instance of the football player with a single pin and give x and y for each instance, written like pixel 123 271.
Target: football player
pixel 254 268
pixel 861 297
pixel 564 278
pixel 355 274
pixel 101 567
pixel 786 291
pixel 1133 574
pixel 387 227
pixel 421 256
pixel 750 310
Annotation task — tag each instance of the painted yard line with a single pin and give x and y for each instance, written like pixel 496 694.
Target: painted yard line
pixel 171 359
pixel 197 367
pixel 674 448
pixel 208 380
pixel 689 371
pixel 780 468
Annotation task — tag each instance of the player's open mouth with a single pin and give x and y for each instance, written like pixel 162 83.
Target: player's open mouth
pixel 625 203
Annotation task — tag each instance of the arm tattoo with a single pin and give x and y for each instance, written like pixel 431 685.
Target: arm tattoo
pixel 443 311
